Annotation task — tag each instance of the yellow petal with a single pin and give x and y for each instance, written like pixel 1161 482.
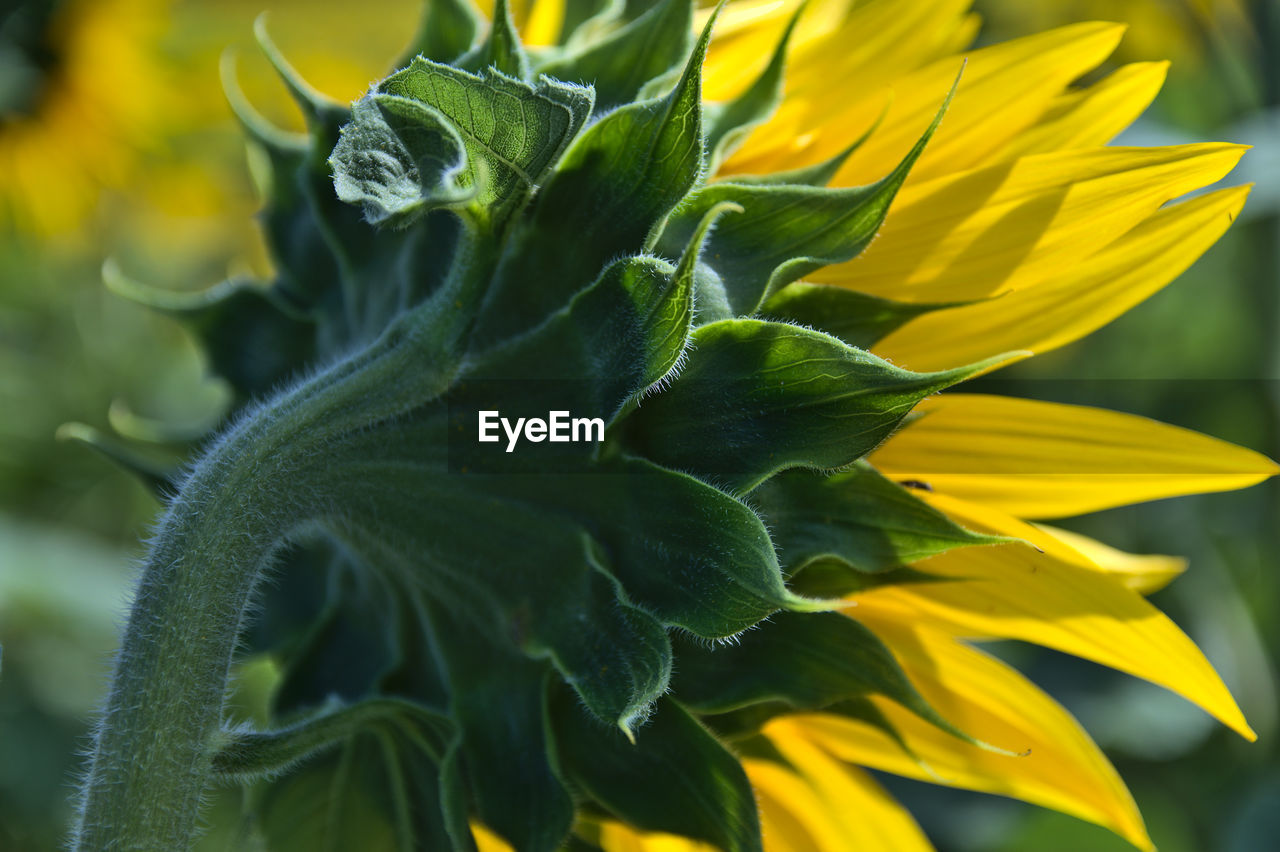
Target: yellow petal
pixel 1053 762
pixel 1004 90
pixel 1142 573
pixel 1093 115
pixel 870 47
pixel 1011 226
pixel 487 841
pixel 1045 460
pixel 617 837
pixel 821 805
pixel 1013 591
pixel 1076 299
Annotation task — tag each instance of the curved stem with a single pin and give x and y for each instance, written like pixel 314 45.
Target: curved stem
pixel 152 756
pixel 151 759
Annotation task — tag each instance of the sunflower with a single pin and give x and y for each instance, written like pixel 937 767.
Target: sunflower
pixel 84 94
pixel 670 249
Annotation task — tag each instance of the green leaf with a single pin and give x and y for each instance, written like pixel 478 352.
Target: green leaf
pixel 856 318
pixel 730 123
pixel 503 764
pixel 247 755
pixel 617 183
pixel 513 132
pixel 787 231
pixel 448 29
pixel 375 790
pixel 397 159
pixel 757 397
pixel 322 112
pixel 676 778
pixel 568 608
pixel 856 516
pixel 619 64
pixel 806 660
pixel 501 49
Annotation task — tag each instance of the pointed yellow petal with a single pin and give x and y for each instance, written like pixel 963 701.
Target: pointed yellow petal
pixel 821 805
pixel 1014 225
pixel 1045 460
pixel 1094 115
pixel 1076 299
pixel 487 841
pixel 871 47
pixel 1144 574
pixel 1005 89
pixel 1013 591
pixel 1053 762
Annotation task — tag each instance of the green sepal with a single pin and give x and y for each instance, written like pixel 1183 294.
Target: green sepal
pixel 676 777
pixel 160 479
pixel 757 397
pixel 625 173
pixel 397 159
pixel 788 231
pixel 807 661
pixel 501 49
pixel 619 64
pixel 500 706
pixel 856 318
pixel 375 790
pixel 830 577
pixel 513 132
pixel 858 517
pixel 447 30
pixel 253 336
pixel 731 122
pixel 321 111
pixel 247 755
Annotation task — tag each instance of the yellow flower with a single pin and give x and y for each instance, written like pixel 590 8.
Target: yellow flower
pixel 1019 208
pixel 85 92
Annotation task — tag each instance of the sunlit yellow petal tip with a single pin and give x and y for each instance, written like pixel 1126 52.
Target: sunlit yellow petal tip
pixel 487 841
pixel 1047 460
pixel 1144 574
pixel 1052 597
pixel 1059 765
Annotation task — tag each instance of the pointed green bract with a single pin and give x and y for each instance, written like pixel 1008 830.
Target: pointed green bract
pixel 620 63
pixel 448 29
pixel 856 318
pixel 858 517
pixel 759 397
pixel 808 662
pixel 501 50
pixel 676 778
pixel 612 189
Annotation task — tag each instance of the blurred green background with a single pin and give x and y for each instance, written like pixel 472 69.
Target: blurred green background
pixel 115 142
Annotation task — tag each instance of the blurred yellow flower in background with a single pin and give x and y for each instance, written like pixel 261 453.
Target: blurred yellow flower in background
pixel 84 93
